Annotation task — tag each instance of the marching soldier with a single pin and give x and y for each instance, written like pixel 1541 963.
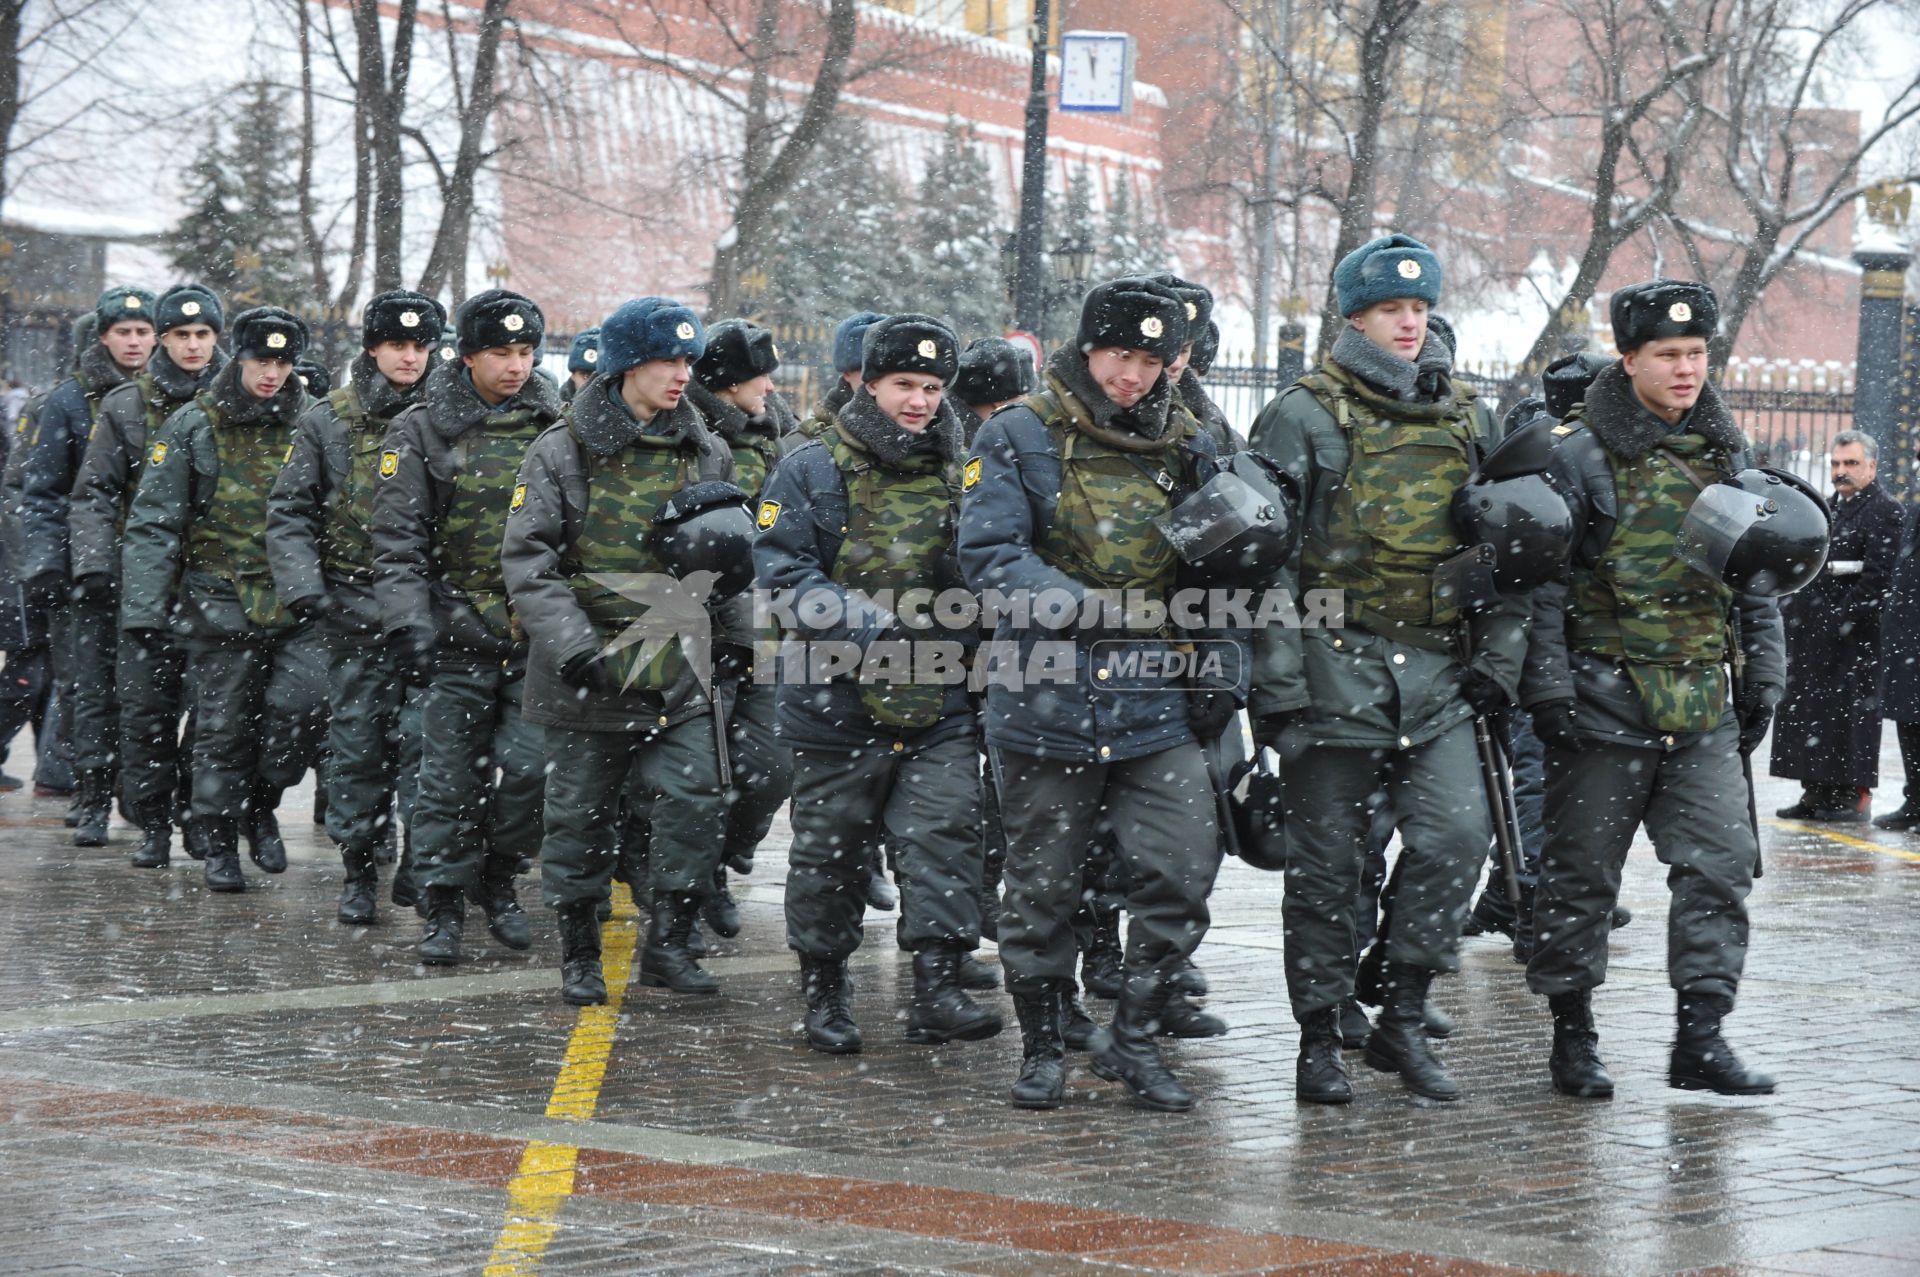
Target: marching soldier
pixel 1627 682
pixel 85 641
pixel 319 540
pixel 733 389
pixel 1379 440
pixel 992 375
pixel 199 517
pixel 848 338
pixel 867 511
pixel 599 499
pixel 583 358
pixel 447 474
pixel 1062 495
pixel 1198 300
pixel 155 779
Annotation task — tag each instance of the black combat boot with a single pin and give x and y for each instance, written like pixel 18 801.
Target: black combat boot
pixel 665 962
pixel 1370 977
pixel 1575 1062
pixel 1355 1028
pixel 264 843
pixel 582 984
pixel 880 892
pixel 1128 1054
pixel 829 1022
pixel 506 920
pixel 977 975
pixel 719 909
pixel 361 888
pixel 1435 1022
pixel 1399 1041
pixel 941 1011
pixel 446 911
pixel 1101 955
pixel 156 834
pixel 1902 819
pixel 76 805
pixel 1189 979
pixel 1042 1083
pixel 405 892
pixel 1492 914
pixel 223 854
pixel 193 836
pixel 95 797
pixel 1320 1074
pixel 1702 1060
pixel 1183 1019
pixel 1077 1028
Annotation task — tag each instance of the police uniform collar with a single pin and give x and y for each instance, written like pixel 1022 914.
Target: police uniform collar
pixel 1626 428
pixel 728 419
pixel 240 407
pixel 1144 427
pixel 604 424
pixel 175 384
pixel 379 398
pixel 455 407
pixel 1425 379
pixel 866 427
pixel 97 373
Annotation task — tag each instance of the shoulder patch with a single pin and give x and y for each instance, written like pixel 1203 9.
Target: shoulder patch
pixel 971 475
pixel 389 464
pixel 289 457
pixel 519 497
pixel 769 513
pixel 157 454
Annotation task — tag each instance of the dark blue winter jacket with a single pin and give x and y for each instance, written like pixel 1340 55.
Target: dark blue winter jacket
pixel 58 444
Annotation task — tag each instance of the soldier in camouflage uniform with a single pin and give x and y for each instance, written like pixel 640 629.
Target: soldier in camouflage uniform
pixel 582 516
pixel 1198 300
pixel 84 634
pixel 155 779
pixel 319 540
pixel 583 359
pixel 447 471
pixel 1627 681
pixel 1379 439
pixel 1061 496
pixel 856 518
pixel 733 389
pixel 199 517
pixel 848 336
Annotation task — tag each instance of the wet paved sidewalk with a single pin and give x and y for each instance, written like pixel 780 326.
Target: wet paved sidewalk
pixel 199 1084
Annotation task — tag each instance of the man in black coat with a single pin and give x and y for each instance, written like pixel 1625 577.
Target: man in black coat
pixel 1827 736
pixel 1900 674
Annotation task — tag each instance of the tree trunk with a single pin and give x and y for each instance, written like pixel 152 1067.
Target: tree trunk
pixel 9 81
pixel 382 90
pixel 456 210
pixel 309 229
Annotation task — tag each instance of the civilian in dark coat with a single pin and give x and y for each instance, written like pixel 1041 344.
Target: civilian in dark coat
pixel 1900 673
pixel 1827 735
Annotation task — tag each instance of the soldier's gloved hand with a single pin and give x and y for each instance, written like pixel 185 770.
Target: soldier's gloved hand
pixel 1553 724
pixel 1267 728
pixel 94 587
pixel 149 638
pixel 309 608
pixel 1754 713
pixel 731 660
pixel 47 591
pixel 1483 691
pixel 412 648
pixel 1209 710
pixel 588 673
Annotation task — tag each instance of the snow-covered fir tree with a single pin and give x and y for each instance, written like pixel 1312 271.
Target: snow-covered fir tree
pixel 241 233
pixel 837 244
pixel 956 240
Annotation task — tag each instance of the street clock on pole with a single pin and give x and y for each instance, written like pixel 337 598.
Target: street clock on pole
pixel 1096 71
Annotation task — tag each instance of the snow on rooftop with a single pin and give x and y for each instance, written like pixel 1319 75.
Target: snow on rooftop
pixel 77 221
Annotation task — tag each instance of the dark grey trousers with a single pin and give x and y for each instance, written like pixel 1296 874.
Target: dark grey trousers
pixel 1693 801
pixel 373 745
pixel 482 774
pixel 1160 811
pixel 259 707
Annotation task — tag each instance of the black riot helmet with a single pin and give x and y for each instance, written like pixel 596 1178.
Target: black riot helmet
pixel 707 527
pixel 1761 531
pixel 1239 529
pixel 1259 829
pixel 1508 504
pixel 1564 383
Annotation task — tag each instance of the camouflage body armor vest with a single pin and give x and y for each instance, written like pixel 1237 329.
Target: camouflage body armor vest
pixel 899 523
pixel 624 492
pixel 1390 523
pixel 1102 532
pixel 753 460
pixel 228 535
pixel 467 550
pixel 346 549
pixel 154 418
pixel 1643 605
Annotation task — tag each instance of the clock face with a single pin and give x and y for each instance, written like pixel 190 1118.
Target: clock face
pixel 1095 72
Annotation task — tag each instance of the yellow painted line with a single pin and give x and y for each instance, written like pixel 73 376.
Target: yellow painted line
pixel 1848 840
pixel 544 1179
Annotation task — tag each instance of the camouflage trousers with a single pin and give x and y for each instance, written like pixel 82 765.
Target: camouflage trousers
pixel 373 745
pixel 261 715
pixel 482 774
pixel 1693 801
pixel 1331 799
pixel 587 773
pixel 925 802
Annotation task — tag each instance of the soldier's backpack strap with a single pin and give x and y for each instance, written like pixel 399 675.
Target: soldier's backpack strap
pixel 346 405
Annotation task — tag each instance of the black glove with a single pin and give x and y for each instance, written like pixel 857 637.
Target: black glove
pixel 1209 710
pixel 412 648
pixel 153 640
pixel 1483 692
pixel 1755 714
pixel 94 587
pixel 1267 728
pixel 586 672
pixel 47 591
pixel 1553 724
pixel 309 608
pixel 731 660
